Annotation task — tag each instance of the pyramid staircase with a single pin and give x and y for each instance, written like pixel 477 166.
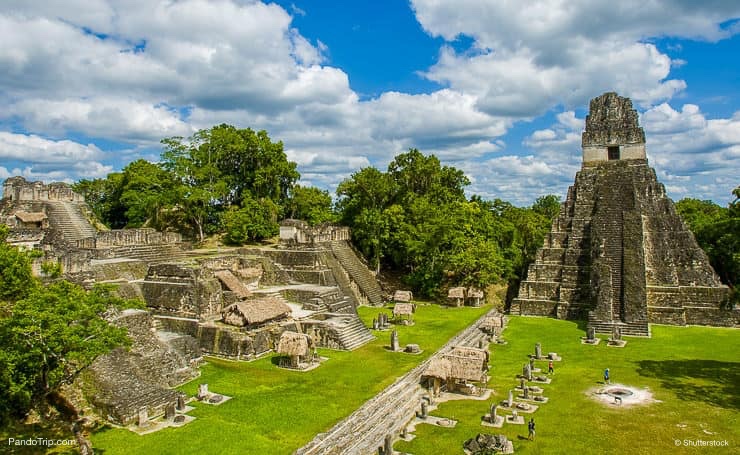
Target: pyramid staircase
pixel 353 333
pixel 67 217
pixel 358 272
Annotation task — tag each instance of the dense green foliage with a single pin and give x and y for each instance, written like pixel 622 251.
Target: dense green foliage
pixel 416 220
pixel 310 204
pixel 717 230
pixel 217 171
pixel 15 270
pixel 48 334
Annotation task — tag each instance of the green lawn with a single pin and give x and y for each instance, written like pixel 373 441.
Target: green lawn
pixel 693 371
pixel 274 411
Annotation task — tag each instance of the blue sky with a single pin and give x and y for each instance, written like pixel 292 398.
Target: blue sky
pixel 498 89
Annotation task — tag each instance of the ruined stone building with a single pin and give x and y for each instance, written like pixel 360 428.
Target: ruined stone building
pixel 229 302
pixel 618 254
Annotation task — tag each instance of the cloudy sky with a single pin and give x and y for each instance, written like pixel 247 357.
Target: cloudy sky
pixel 495 88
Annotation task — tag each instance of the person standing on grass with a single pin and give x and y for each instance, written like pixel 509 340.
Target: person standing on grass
pixel 531 429
pixel 606 376
pixel 550 369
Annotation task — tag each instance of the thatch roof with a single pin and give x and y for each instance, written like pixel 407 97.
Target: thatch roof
pixel 456 293
pixel 403 308
pixel 490 323
pixel 31 217
pixel 256 311
pixel 475 293
pixel 250 272
pixel 403 296
pixel 467 363
pixel 293 344
pixel 233 283
pixel 438 367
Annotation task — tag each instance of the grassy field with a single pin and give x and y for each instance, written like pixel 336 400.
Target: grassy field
pixel 694 372
pixel 274 411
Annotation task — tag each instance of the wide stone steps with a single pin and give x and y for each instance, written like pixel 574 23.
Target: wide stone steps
pixel 68 218
pixel 637 329
pixel 358 271
pixel 354 334
pixel 147 253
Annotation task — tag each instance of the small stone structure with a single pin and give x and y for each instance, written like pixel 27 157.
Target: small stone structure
pixel 19 189
pixel 618 253
pixel 458 368
pixel 300 232
pixel 28 220
pixel 403 313
pixel 395 345
pixel 484 444
pixel 456 296
pixel 475 296
pixel 403 296
pixel 294 345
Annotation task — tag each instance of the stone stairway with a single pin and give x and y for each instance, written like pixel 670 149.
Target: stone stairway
pixel 388 412
pixel 358 272
pixel 635 329
pixel 68 218
pixel 146 253
pixel 354 334
pixel 343 305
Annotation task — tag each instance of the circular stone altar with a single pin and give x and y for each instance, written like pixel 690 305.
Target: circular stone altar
pixel 621 395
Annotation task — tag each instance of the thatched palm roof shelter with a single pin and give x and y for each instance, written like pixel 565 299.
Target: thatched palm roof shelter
pixel 254 312
pixel 456 293
pixel 31 217
pixel 467 364
pixel 233 284
pixel 475 296
pixel 293 344
pixel 403 296
pixel 403 309
pixel 439 368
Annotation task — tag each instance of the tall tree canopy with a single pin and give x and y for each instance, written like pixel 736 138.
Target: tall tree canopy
pixel 217 171
pixel 48 334
pixel 717 230
pixel 416 220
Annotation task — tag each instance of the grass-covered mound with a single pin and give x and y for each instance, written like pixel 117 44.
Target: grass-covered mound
pixel 694 372
pixel 275 411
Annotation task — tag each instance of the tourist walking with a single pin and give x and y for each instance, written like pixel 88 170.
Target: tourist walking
pixel 531 429
pixel 550 369
pixel 606 376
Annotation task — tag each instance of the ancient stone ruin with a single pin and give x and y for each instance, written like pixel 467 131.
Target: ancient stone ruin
pixel 618 253
pixel 235 303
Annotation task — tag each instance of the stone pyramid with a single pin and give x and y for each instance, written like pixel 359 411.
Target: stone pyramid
pixel 618 254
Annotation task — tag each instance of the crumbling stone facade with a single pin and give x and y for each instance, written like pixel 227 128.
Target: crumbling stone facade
pixel 19 189
pixel 618 253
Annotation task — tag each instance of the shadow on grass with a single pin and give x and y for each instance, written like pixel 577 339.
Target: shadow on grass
pixel 709 381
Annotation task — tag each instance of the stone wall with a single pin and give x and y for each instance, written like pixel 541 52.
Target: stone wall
pixel 19 189
pixel 128 237
pixel 299 232
pixel 123 382
pixel 187 291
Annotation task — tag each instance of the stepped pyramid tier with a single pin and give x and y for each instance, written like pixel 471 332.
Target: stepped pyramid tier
pixel 618 254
